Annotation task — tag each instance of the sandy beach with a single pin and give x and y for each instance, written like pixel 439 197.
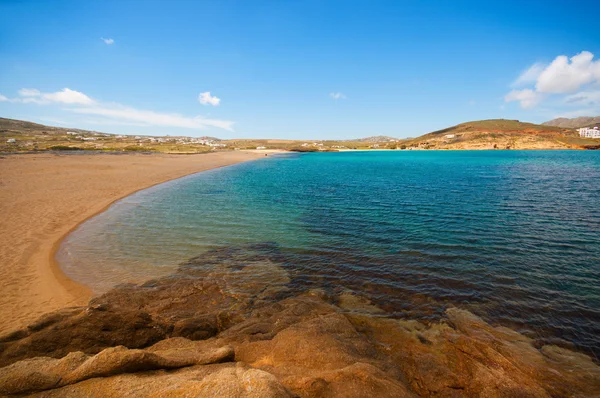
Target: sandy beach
pixel 44 196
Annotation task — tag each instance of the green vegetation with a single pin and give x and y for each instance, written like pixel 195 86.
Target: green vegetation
pixel 65 148
pixel 133 148
pixel 304 149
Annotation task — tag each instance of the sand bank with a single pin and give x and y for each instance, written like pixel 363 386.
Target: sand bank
pixel 44 196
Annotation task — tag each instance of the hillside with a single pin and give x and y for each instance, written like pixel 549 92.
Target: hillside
pixel 23 136
pixel 574 123
pixel 22 126
pixel 501 134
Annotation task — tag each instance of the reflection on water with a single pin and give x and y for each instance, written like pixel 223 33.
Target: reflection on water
pixel 512 236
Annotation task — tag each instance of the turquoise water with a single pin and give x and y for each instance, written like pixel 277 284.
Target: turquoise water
pixel 513 236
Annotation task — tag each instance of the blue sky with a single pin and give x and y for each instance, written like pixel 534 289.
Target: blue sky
pixel 295 69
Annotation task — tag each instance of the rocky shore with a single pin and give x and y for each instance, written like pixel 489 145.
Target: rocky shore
pixel 234 329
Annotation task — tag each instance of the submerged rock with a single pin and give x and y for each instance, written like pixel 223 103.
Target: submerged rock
pixel 204 332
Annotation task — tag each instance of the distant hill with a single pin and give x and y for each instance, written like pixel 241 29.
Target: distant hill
pixel 376 138
pixel 21 126
pixel 574 123
pixel 23 136
pixel 500 134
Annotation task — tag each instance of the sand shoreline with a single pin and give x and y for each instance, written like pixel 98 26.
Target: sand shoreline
pixel 44 197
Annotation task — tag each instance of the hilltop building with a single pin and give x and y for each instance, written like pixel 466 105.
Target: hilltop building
pixel 589 133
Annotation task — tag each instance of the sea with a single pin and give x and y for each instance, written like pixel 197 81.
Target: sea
pixel 513 236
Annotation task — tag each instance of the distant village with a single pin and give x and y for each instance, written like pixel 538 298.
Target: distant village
pixel 91 136
pixel 140 139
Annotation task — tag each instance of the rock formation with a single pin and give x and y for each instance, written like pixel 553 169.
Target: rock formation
pixel 234 330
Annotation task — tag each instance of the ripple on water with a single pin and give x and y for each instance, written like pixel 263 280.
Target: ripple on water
pixel 513 236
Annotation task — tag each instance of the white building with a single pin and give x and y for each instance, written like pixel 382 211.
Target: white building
pixel 449 136
pixel 589 133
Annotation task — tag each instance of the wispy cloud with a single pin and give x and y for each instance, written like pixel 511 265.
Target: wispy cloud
pixel 116 113
pixel 577 113
pixel 108 42
pixel 584 98
pixel 560 80
pixel 528 76
pixel 527 97
pixel 122 113
pixel 64 96
pixel 337 96
pixel 207 99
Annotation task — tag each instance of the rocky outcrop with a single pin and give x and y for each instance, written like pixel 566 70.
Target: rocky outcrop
pixel 209 381
pixel 48 373
pixel 222 331
pixel 197 303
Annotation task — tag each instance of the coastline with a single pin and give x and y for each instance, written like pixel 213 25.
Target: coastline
pixel 228 321
pixel 38 220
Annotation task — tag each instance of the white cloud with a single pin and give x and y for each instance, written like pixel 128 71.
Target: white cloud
pixel 117 113
pixel 108 42
pixel 527 97
pixel 65 96
pixel 111 122
pixel 337 96
pixel 529 76
pixel 122 113
pixel 207 99
pixel 29 92
pixel 561 77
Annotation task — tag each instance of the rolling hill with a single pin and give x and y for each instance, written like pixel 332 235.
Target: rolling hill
pixel 22 126
pixel 501 134
pixel 23 136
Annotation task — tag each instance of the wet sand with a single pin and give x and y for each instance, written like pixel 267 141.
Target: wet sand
pixel 45 196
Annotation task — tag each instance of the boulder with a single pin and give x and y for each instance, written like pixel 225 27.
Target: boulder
pixel 219 381
pixel 48 373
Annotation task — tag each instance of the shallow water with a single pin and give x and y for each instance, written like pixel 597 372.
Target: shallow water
pixel 513 236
